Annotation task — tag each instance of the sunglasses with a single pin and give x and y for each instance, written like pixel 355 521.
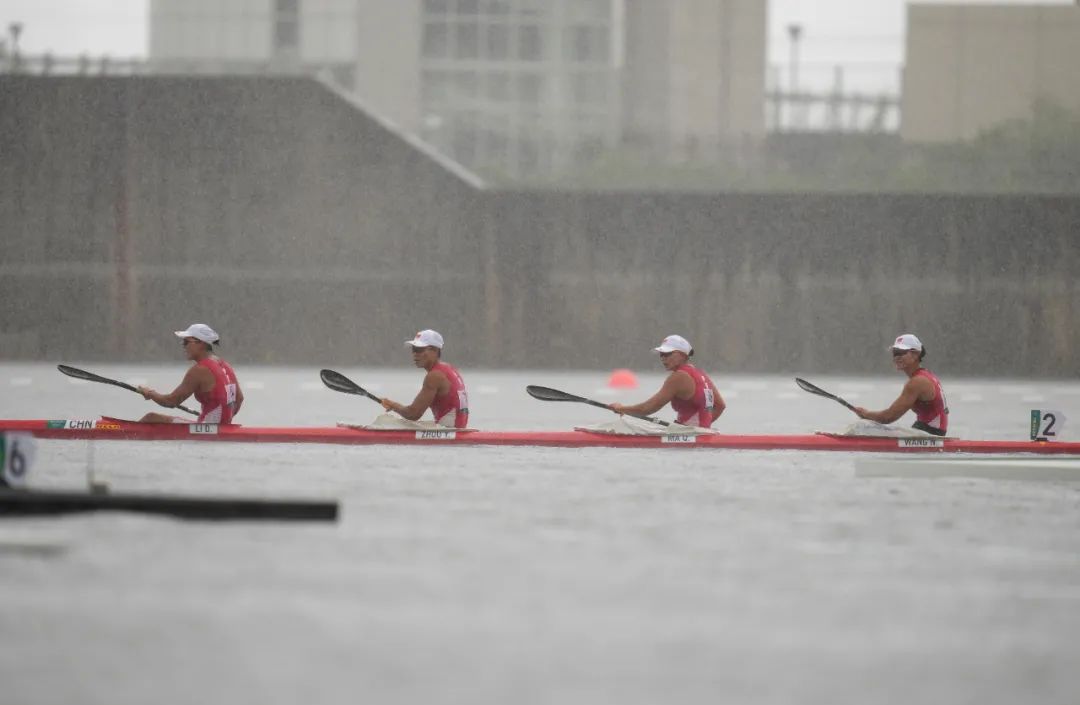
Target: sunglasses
pixel 420 350
pixel 667 354
pixel 185 341
pixel 900 353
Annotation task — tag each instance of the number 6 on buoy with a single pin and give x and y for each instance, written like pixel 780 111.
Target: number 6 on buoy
pixel 17 452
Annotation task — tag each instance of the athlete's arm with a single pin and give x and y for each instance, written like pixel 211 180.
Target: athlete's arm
pixel 239 399
pixel 718 401
pixel 676 383
pixel 434 382
pixel 195 378
pixel 915 387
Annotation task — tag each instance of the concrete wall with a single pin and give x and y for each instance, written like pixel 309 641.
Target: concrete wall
pixel 308 233
pixel 272 209
pixel 790 282
pixel 969 68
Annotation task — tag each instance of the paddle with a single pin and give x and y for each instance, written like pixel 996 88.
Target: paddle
pixel 91 377
pixel 548 394
pixel 340 383
pixel 806 386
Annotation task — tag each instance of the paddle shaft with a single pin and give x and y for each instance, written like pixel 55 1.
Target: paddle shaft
pixel 365 393
pixel 548 394
pixel 91 377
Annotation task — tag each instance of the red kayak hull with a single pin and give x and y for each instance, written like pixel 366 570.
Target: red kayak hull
pixel 115 430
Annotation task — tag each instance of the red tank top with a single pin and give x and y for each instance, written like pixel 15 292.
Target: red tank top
pixel 697 410
pixel 219 403
pixel 935 412
pixel 455 402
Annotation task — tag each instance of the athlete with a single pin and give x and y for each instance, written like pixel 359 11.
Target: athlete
pixel 210 379
pixel 922 392
pixel 690 392
pixel 443 390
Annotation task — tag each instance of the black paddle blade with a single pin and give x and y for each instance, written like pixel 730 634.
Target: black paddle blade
pixel 73 371
pixel 813 389
pixel 340 383
pixel 549 394
pixel 91 377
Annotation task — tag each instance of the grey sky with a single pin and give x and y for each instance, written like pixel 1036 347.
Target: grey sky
pixel 73 27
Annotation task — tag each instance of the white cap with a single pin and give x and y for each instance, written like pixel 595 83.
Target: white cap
pixel 907 341
pixel 425 339
pixel 673 343
pixel 199 331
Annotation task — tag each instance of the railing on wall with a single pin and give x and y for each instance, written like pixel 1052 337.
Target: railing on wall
pixel 832 111
pixel 834 98
pixel 86 65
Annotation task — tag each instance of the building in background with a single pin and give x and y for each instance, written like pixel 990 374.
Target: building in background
pixel 520 86
pixel 694 72
pixel 971 67
pixel 260 36
pixel 512 87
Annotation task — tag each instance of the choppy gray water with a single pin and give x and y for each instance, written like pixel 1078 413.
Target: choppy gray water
pixel 524 575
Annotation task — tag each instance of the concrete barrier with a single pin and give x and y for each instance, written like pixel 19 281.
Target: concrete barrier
pixel 310 232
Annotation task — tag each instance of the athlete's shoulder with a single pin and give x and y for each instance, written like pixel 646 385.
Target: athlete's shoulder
pixel 681 378
pixel 452 370
pixel 920 383
pixel 435 374
pixel 925 374
pixel 199 374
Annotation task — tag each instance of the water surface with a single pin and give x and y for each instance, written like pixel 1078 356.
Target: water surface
pixel 530 575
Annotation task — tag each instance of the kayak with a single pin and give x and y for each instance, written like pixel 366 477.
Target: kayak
pixel 108 429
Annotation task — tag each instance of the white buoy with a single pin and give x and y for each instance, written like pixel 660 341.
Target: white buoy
pixel 92 483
